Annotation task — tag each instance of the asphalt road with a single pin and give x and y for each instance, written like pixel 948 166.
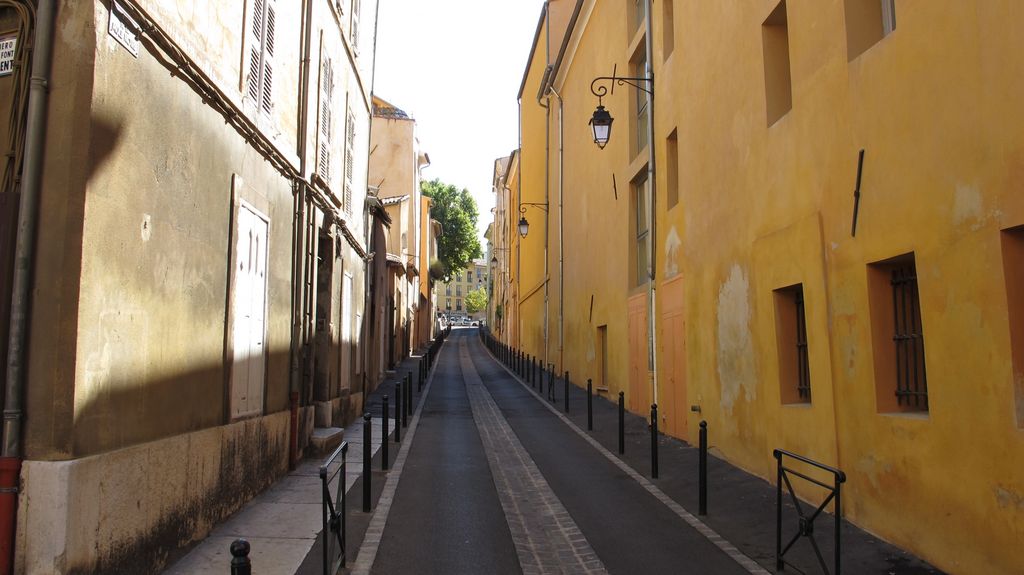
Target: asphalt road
pixel 447 516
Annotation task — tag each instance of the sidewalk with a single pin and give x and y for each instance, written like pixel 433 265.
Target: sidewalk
pixel 283 523
pixel 741 506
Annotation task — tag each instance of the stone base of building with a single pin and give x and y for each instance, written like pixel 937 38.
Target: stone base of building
pixel 130 510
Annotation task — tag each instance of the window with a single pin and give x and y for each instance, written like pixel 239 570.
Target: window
pixel 640 71
pixel 898 336
pixel 867 22
pixel 458 305
pixel 639 14
pixel 350 148
pixel 469 277
pixel 641 191
pixel 354 30
pixel 778 92
pixel 668 40
pixel 326 123
pixel 259 54
pixel 672 170
pixel 448 289
pixel 458 290
pixel 791 335
pixel 1013 272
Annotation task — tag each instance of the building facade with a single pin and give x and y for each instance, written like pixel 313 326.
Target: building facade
pixel 451 295
pixel 197 281
pixel 808 237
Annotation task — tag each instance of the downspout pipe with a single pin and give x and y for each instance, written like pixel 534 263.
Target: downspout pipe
pixel 31 184
pixel 652 355
pixel 368 268
pixel 561 234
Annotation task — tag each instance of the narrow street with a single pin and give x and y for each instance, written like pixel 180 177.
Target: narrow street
pixel 496 482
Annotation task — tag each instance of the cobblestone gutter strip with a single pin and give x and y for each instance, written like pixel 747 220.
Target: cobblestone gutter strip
pixel 375 530
pixel 710 534
pixel 546 538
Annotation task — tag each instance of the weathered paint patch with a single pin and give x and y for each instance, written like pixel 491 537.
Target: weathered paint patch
pixel 736 370
pixel 672 245
pixel 967 206
pixel 1008 498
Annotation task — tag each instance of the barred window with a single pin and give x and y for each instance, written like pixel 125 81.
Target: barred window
pixel 898 336
pixel 791 333
pixel 911 381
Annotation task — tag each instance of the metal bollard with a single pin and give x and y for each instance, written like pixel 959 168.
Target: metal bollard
pixel 551 382
pixel 398 412
pixel 566 380
pixel 384 433
pixel 408 400
pixel 240 563
pixel 590 405
pixel 367 454
pixel 654 440
pixel 703 470
pixel 622 422
pixel 419 380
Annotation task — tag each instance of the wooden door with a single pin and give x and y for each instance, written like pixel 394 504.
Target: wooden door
pixel 249 314
pixel 639 381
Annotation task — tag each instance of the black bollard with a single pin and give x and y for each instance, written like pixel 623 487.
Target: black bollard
pixel 367 454
pixel 622 422
pixel 240 563
pixel 398 412
pixel 703 471
pixel 419 380
pixel 590 405
pixel 384 433
pixel 654 440
pixel 551 382
pixel 408 400
pixel 567 392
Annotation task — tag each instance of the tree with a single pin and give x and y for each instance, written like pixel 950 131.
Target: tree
pixel 456 211
pixel 476 300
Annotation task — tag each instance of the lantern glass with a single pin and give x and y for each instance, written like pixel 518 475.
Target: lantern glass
pixel 601 124
pixel 524 226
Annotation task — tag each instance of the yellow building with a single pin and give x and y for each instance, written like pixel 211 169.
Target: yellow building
pixel 451 295
pixel 881 332
pixel 503 243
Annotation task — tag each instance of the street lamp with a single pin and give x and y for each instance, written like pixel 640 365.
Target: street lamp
pixel 524 225
pixel 601 122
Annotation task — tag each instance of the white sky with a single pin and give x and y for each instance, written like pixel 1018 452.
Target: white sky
pixel 455 66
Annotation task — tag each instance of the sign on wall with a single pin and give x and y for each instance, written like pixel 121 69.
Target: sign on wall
pixel 123 29
pixel 7 45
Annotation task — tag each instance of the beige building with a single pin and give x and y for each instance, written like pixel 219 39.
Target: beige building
pixel 396 163
pixel 197 279
pixel 451 296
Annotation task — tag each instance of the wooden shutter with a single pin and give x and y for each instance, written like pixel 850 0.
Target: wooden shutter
pixel 267 88
pixel 350 146
pixel 355 26
pixel 326 105
pixel 254 46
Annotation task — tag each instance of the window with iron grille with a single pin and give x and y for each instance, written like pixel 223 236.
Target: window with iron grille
pixel 897 336
pixel 911 382
pixel 791 334
pixel 259 54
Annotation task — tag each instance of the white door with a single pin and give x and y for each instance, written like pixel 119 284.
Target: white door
pixel 249 313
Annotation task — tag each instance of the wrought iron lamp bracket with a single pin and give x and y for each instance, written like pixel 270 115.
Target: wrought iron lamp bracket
pixel 522 206
pixel 598 89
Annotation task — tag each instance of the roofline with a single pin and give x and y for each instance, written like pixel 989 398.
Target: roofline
pixel 533 49
pixel 565 44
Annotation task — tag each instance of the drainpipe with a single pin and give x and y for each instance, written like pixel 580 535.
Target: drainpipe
pixel 652 356
pixel 35 133
pixel 561 235
pixel 368 268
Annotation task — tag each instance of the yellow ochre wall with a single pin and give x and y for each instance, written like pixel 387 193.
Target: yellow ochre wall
pixel 762 206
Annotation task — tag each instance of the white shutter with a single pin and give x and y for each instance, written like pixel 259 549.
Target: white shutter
pixel 350 147
pixel 267 88
pixel 326 105
pixel 355 26
pixel 249 314
pixel 254 49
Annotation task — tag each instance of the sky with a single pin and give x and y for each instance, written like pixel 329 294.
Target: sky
pixel 455 66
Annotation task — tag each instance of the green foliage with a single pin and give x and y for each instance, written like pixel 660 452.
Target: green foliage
pixel 476 300
pixel 457 212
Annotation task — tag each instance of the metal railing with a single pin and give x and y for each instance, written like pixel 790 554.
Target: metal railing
pixel 333 506
pixel 806 522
